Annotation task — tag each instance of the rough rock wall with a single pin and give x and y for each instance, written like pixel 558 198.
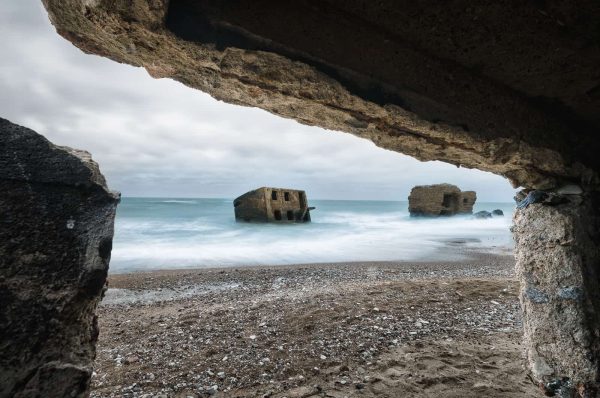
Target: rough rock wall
pixel 440 199
pixel 558 264
pixel 508 89
pixel 56 228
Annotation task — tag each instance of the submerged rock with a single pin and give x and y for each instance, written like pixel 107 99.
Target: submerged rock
pixel 483 214
pixel 56 229
pixel 497 212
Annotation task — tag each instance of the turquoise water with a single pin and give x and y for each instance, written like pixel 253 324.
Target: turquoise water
pixel 160 233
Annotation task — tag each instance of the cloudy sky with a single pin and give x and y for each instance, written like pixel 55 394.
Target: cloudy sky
pixel 159 138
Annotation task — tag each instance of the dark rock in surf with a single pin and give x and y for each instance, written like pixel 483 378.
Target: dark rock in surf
pixel 483 214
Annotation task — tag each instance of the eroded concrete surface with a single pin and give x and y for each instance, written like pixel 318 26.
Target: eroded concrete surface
pixel 499 87
pixel 558 263
pixel 56 228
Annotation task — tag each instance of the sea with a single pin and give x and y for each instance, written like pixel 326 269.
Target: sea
pixel 175 233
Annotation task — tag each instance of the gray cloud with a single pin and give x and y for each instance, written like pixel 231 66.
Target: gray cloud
pixel 159 138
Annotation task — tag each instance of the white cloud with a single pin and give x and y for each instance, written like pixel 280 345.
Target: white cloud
pixel 159 138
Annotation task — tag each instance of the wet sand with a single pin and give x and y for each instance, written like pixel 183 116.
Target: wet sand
pixel 436 329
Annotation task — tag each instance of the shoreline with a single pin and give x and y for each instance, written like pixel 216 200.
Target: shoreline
pixel 183 283
pixel 453 251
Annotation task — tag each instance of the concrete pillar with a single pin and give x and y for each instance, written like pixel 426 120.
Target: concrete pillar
pixel 558 264
pixel 56 228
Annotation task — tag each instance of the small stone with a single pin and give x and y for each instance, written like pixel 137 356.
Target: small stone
pixel 301 392
pixel 570 189
pixel 131 359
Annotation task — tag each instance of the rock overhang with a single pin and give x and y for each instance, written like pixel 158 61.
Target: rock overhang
pixel 508 90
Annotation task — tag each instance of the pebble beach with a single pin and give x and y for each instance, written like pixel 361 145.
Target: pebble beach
pixel 380 329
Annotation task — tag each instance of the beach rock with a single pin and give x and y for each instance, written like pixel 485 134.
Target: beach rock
pixel 302 392
pixel 483 214
pixel 440 200
pixel 56 228
pixel 497 212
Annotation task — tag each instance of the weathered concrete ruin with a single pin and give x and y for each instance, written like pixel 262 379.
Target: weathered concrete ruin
pixel 56 228
pixel 440 200
pixel 512 89
pixel 279 205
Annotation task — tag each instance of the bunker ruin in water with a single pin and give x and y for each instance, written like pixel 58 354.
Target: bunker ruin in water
pixel 277 205
pixel 440 200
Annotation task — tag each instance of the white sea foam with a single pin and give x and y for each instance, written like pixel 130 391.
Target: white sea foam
pixel 187 202
pixel 169 236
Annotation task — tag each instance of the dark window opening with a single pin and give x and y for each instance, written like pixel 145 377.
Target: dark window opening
pixel 277 214
pixel 286 196
pixel 447 200
pixel 290 214
pixel 451 202
pixel 274 195
pixel 465 200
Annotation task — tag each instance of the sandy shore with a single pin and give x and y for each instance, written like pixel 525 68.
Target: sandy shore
pixel 321 330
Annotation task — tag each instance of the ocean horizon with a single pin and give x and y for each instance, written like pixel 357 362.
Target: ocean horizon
pixel 153 233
